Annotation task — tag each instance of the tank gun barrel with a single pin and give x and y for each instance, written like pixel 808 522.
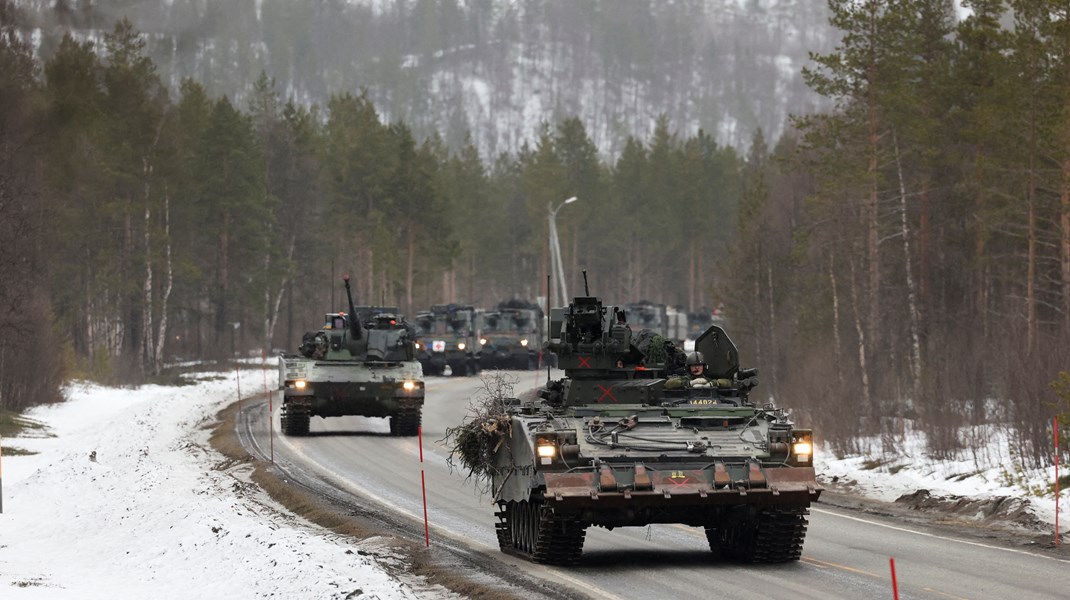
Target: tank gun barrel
pixel 355 328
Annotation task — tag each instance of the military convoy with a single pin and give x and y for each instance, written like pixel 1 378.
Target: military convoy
pixel 511 336
pixel 360 363
pixel 609 445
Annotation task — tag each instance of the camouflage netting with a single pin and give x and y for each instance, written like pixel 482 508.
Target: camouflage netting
pixel 485 429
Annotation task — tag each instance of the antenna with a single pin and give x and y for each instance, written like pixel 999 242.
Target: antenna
pixel 586 291
pixel 546 334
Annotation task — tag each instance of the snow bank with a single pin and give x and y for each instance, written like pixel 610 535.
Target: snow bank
pixel 126 501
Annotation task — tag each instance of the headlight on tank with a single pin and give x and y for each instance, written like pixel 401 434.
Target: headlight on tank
pixel 409 385
pixel 461 345
pixel 523 343
pixel 417 344
pixel 482 341
pixel 546 448
pixel 300 384
pixel 802 447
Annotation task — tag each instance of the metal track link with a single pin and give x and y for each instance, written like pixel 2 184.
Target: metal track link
pixel 531 530
pixel 780 535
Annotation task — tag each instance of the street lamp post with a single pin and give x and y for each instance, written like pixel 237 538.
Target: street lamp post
pixel 555 251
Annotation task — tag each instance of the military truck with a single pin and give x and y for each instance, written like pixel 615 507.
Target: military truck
pixel 609 445
pixel 447 335
pixel 511 336
pixel 353 366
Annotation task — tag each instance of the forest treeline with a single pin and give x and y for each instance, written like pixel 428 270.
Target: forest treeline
pixel 167 224
pixel 904 258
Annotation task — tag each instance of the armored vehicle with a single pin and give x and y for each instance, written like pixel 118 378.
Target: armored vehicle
pixel 362 366
pixel 612 445
pixel 511 336
pixel 649 315
pixel 447 335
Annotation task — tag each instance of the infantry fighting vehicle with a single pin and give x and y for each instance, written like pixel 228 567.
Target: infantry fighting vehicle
pixel 511 336
pixel 609 445
pixel 353 366
pixel 447 336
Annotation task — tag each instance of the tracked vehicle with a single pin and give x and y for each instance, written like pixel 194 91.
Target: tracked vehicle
pixel 610 445
pixel 360 364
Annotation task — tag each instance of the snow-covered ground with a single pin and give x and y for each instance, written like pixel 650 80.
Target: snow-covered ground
pixel 125 499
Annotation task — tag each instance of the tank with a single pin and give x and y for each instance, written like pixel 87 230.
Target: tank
pixel 511 336
pixel 613 445
pixel 361 363
pixel 448 335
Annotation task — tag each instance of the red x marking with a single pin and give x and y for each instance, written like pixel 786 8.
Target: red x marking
pixel 584 362
pixel 606 391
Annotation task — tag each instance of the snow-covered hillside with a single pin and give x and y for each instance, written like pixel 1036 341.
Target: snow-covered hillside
pixel 497 68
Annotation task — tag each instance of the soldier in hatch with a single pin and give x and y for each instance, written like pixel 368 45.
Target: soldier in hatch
pixel 696 374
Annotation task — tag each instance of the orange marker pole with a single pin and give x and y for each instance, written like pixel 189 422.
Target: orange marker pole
pixel 895 584
pixel 1056 421
pixel 423 486
pixel 237 377
pixel 271 422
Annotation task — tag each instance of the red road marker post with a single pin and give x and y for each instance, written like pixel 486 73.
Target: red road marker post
pixel 423 487
pixel 1056 422
pixel 271 410
pixel 895 584
pixel 237 377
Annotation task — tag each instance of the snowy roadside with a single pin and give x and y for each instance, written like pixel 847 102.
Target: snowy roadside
pixel 986 486
pixel 125 499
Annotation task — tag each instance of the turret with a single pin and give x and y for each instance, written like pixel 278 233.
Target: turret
pixel 590 339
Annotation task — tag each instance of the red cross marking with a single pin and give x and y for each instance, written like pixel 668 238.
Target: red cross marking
pixel 606 391
pixel 584 362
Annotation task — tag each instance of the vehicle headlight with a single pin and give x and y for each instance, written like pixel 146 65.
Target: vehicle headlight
pixel 409 385
pixel 300 384
pixel 482 341
pixel 546 451
pixel 461 345
pixel 417 344
pixel 523 342
pixel 802 446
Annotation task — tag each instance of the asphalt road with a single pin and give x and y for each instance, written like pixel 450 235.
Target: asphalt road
pixel 846 555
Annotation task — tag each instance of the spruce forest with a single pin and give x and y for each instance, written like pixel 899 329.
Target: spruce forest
pixel 901 258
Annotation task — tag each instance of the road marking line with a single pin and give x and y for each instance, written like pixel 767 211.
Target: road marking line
pixel 939 537
pixel 822 563
pixel 946 595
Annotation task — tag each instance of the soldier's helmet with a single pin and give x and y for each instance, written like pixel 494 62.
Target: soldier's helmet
pixel 695 358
